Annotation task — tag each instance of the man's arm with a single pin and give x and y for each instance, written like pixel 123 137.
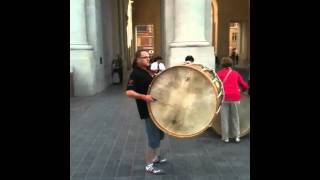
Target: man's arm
pixel 134 94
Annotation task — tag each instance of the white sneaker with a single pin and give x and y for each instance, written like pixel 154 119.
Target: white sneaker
pixel 225 140
pixel 153 170
pixel 237 139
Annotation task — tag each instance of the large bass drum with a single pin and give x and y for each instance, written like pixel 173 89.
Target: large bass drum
pixel 244 118
pixel 188 99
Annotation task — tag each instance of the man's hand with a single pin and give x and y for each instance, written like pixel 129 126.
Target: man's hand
pixel 148 98
pixel 145 97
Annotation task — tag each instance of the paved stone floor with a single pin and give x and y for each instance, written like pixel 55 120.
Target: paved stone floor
pixel 108 142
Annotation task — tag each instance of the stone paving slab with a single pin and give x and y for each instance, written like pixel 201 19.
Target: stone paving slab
pixel 108 142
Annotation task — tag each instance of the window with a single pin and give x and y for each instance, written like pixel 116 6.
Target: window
pixel 234 38
pixel 145 38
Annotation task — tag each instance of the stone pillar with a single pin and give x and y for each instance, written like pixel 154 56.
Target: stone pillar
pixel 189 23
pixel 189 37
pixel 78 30
pixel 245 43
pixel 81 53
pixel 223 36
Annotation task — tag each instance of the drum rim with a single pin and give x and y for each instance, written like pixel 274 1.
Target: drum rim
pixel 243 133
pixel 152 117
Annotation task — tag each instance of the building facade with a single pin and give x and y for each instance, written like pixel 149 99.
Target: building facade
pixel 102 29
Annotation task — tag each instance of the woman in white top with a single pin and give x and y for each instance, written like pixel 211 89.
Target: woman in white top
pixel 157 66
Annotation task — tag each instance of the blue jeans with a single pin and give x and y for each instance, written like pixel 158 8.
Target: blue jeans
pixel 154 134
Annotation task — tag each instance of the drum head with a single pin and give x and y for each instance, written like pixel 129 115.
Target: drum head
pixel 186 101
pixel 244 118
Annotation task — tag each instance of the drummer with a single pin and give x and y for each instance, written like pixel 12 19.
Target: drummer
pixel 137 88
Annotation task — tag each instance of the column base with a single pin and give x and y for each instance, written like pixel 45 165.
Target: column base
pixel 201 55
pixel 82 62
pixel 80 47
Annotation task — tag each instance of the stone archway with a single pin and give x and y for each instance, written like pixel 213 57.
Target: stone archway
pixel 228 11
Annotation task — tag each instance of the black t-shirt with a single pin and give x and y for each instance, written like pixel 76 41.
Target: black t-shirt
pixel 139 81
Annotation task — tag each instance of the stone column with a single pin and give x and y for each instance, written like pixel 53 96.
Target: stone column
pixel 190 33
pixel 189 23
pixel 245 44
pixel 78 30
pixel 81 53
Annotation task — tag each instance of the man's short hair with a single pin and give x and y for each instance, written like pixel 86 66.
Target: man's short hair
pixel 189 58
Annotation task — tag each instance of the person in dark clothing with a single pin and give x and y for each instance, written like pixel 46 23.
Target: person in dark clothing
pixel 137 88
pixel 117 68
